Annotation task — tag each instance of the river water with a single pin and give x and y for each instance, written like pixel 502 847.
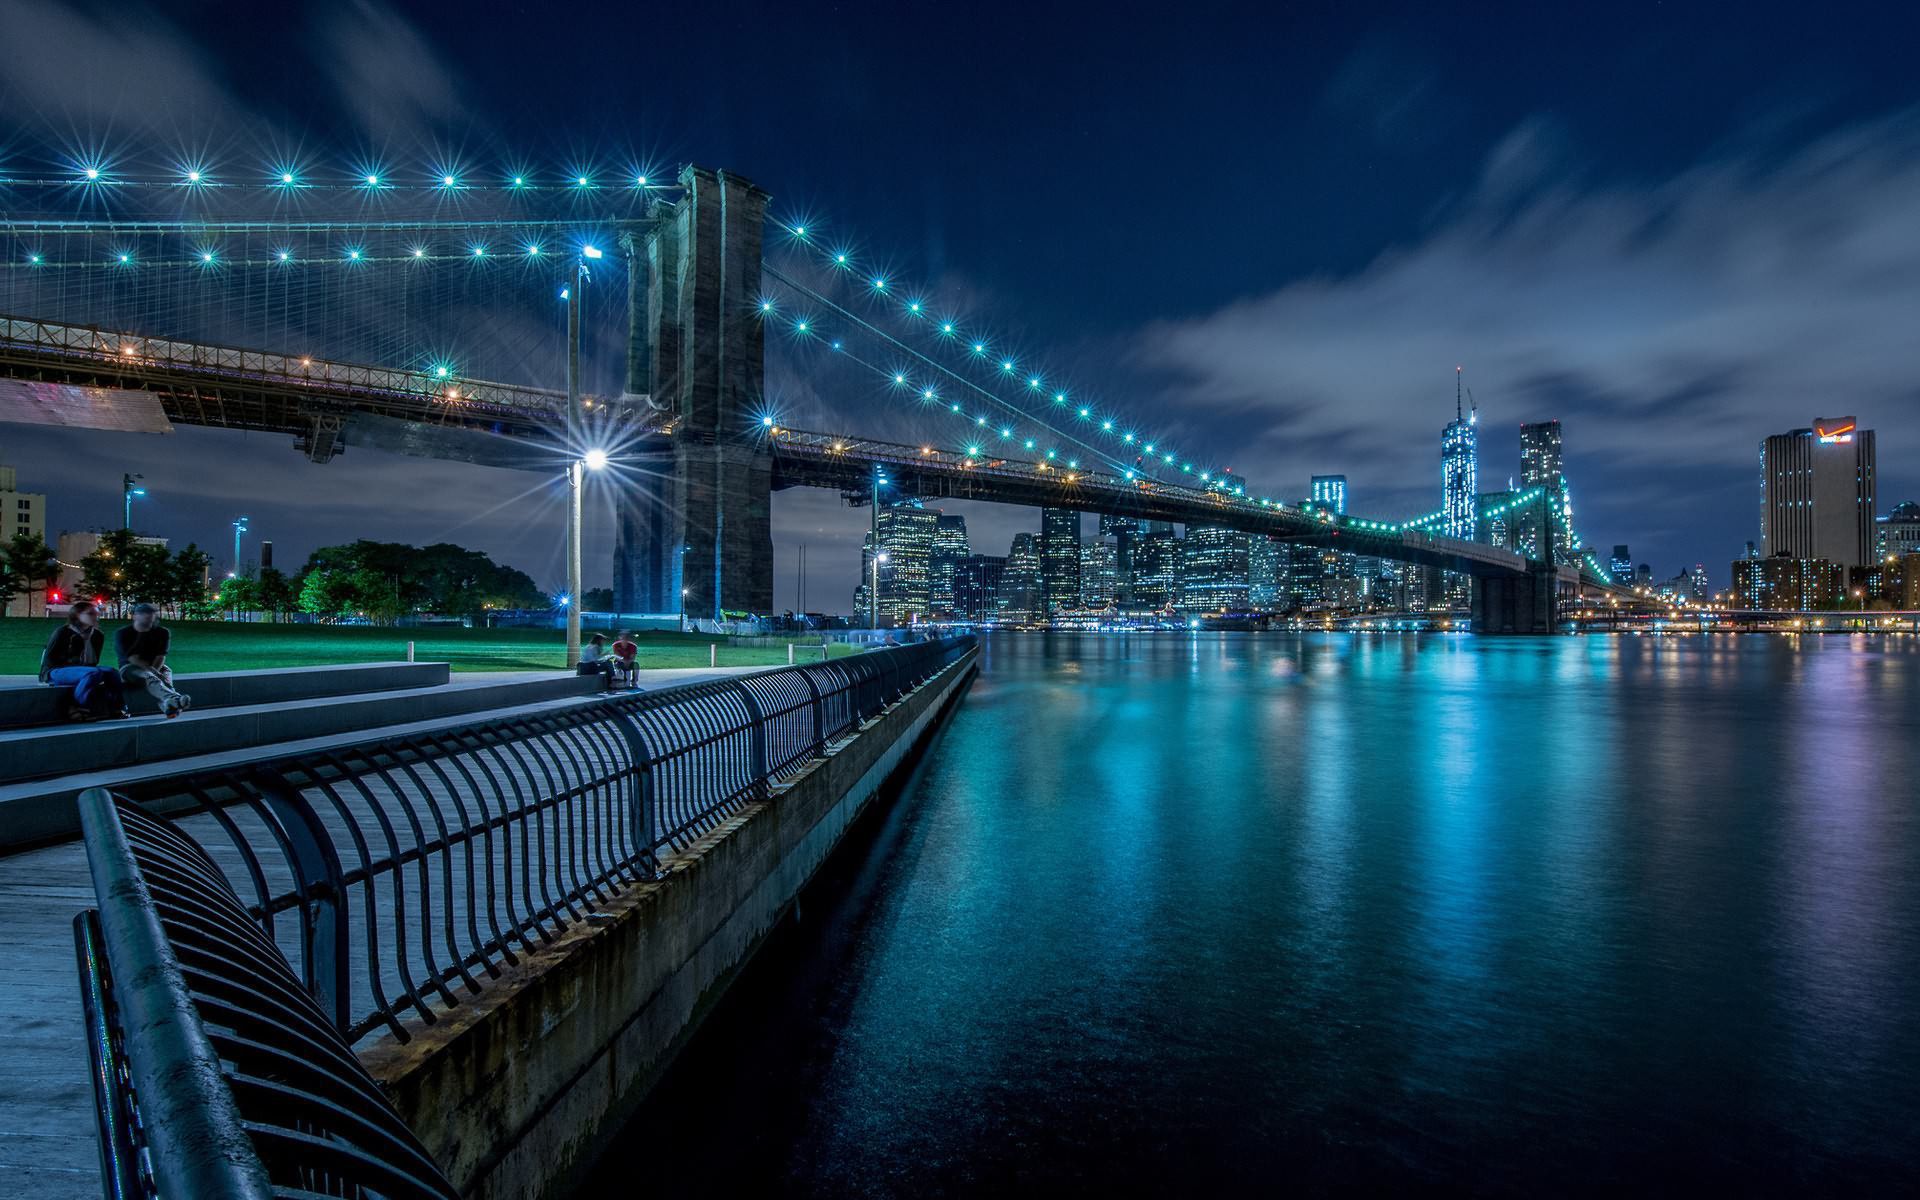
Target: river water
pixel 1337 913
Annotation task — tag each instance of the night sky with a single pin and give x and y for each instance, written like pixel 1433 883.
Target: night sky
pixel 1271 230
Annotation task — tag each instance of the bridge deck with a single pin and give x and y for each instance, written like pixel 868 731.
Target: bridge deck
pixel 806 459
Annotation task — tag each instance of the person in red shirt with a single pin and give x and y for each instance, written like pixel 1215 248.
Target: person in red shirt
pixel 626 658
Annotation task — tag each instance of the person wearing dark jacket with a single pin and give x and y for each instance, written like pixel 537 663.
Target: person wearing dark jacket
pixel 72 659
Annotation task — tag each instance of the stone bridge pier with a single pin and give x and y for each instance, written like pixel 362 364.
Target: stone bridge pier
pixel 1516 603
pixel 695 534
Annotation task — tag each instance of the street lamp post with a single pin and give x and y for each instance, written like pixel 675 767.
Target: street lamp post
pixel 239 531
pixel 873 597
pixel 577 462
pixel 128 490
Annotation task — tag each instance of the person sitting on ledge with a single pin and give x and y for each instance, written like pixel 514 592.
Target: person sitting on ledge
pixel 593 658
pixel 72 659
pixel 142 647
pixel 626 659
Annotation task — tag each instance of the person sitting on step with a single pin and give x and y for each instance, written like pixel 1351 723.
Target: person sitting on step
pixel 626 659
pixel 142 647
pixel 594 659
pixel 72 659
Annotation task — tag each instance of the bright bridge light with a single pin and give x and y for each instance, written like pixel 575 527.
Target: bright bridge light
pixel 590 252
pixel 595 459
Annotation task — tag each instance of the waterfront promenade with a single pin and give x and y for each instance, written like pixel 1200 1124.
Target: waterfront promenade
pixel 47 1144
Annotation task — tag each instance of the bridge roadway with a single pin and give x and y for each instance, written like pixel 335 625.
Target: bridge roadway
pixel 229 388
pixel 804 459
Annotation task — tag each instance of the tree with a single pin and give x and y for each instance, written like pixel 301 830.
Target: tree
pixel 187 585
pixel 238 593
pixel 103 571
pixel 387 580
pixel 326 593
pixel 597 600
pixel 28 561
pixel 275 592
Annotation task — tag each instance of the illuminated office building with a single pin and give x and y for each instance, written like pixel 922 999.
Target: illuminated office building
pixel 1330 492
pixel 1213 570
pixel 1018 597
pixel 949 548
pixel 1156 570
pixel 906 538
pixel 1817 493
pixel 1059 560
pixel 976 586
pixel 1099 576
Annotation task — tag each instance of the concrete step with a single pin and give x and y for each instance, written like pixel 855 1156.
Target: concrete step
pixel 41 811
pixel 36 704
pixel 60 750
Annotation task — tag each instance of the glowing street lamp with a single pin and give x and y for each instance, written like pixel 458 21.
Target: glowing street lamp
pixel 128 490
pixel 239 531
pixel 873 596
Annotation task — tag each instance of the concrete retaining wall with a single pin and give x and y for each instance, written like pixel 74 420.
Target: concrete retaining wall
pixel 515 1091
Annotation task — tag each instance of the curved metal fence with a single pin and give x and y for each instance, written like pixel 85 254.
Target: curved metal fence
pixel 216 1074
pixel 401 872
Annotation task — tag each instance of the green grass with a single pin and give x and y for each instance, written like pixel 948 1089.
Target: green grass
pixel 224 646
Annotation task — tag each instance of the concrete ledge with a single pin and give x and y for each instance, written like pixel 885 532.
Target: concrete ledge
pixel 515 1090
pixel 71 756
pixel 39 704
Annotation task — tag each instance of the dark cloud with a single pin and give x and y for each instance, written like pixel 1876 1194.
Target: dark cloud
pixel 1670 324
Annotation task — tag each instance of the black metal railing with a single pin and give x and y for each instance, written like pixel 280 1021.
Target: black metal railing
pixel 216 1075
pixel 399 873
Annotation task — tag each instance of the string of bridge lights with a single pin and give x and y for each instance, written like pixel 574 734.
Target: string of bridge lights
pixel 353 255
pixel 809 329
pixel 949 331
pixel 881 287
pixel 372 177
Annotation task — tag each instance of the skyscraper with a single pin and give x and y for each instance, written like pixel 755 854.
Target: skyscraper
pixel 1330 492
pixel 1621 568
pixel 906 538
pixel 1059 560
pixel 1018 596
pixel 1156 569
pixel 1459 469
pixel 949 548
pixel 1266 574
pixel 1213 574
pixel 1898 533
pixel 1459 477
pixel 1817 493
pixel 1126 533
pixel 976 586
pixel 1540 455
pixel 1098 577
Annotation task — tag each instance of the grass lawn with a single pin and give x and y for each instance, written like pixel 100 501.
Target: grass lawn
pixel 234 646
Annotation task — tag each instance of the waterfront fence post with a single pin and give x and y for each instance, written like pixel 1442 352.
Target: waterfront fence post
pixel 324 936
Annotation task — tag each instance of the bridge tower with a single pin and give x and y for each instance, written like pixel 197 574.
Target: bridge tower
pixel 695 535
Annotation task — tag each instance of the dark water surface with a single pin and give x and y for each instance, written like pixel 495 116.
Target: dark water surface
pixel 1335 913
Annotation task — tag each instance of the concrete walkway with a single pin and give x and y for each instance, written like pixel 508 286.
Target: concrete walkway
pixel 47 1146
